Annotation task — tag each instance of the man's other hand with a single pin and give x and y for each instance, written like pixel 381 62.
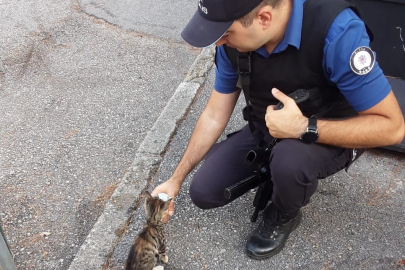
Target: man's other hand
pixel 287 122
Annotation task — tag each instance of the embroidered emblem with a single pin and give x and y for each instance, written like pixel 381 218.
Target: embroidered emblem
pixel 203 9
pixel 362 60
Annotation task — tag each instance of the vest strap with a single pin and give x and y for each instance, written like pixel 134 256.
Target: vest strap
pixel 244 70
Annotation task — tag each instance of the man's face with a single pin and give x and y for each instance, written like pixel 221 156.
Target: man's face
pixel 243 39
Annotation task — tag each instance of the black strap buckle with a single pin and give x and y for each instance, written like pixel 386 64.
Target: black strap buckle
pixel 243 61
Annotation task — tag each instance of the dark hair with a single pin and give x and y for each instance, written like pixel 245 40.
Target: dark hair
pixel 247 20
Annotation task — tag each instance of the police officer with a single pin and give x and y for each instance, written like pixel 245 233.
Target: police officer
pixel 312 44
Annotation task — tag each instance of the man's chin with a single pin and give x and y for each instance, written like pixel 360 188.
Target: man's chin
pixel 242 50
pixel 238 49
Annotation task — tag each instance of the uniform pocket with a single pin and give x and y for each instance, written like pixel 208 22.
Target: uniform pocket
pixel 354 155
pixel 340 162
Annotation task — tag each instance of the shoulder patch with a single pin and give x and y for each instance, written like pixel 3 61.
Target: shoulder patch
pixel 362 60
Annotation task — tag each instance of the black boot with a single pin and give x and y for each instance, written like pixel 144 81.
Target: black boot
pixel 270 237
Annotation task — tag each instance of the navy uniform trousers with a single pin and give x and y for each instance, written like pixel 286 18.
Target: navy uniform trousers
pixel 295 169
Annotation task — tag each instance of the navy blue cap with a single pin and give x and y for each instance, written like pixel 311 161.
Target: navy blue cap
pixel 213 18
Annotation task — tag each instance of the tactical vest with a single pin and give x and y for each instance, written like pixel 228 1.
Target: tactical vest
pixel 295 69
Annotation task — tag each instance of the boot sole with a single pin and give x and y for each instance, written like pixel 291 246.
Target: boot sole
pixel 276 251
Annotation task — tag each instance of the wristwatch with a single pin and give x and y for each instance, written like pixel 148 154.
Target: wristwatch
pixel 310 135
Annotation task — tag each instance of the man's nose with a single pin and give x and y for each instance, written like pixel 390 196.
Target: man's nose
pixel 220 42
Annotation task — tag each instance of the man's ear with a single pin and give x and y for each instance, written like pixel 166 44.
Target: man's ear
pixel 265 17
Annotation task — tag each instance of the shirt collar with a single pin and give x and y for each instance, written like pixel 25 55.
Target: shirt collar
pixel 292 34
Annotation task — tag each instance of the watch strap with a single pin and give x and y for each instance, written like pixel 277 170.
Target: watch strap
pixel 312 124
pixel 310 135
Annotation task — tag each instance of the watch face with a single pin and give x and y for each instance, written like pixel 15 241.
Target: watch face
pixel 310 137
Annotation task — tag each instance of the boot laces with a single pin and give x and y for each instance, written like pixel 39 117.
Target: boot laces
pixel 271 224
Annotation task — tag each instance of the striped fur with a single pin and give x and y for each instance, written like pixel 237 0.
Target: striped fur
pixel 149 246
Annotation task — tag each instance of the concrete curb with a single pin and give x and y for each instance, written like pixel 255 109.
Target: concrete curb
pixel 111 225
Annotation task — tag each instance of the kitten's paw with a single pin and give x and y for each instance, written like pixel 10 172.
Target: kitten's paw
pixel 164 259
pixel 158 268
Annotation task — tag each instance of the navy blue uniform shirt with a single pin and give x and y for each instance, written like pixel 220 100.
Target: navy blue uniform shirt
pixel 346 34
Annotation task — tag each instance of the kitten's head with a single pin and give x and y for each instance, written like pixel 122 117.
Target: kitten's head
pixel 155 208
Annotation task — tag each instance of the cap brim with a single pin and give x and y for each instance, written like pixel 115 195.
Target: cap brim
pixel 199 32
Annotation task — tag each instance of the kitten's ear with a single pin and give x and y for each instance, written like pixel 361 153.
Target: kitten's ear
pixel 147 195
pixel 166 204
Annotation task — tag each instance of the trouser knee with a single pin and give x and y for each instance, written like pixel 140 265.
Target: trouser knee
pixel 203 196
pixel 198 198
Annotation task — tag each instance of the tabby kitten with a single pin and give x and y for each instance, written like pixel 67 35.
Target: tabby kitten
pixel 150 244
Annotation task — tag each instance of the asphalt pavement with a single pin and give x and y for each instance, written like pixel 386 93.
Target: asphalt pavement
pixel 95 101
pixel 78 96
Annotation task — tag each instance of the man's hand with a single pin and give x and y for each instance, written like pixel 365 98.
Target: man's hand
pixel 287 122
pixel 171 188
